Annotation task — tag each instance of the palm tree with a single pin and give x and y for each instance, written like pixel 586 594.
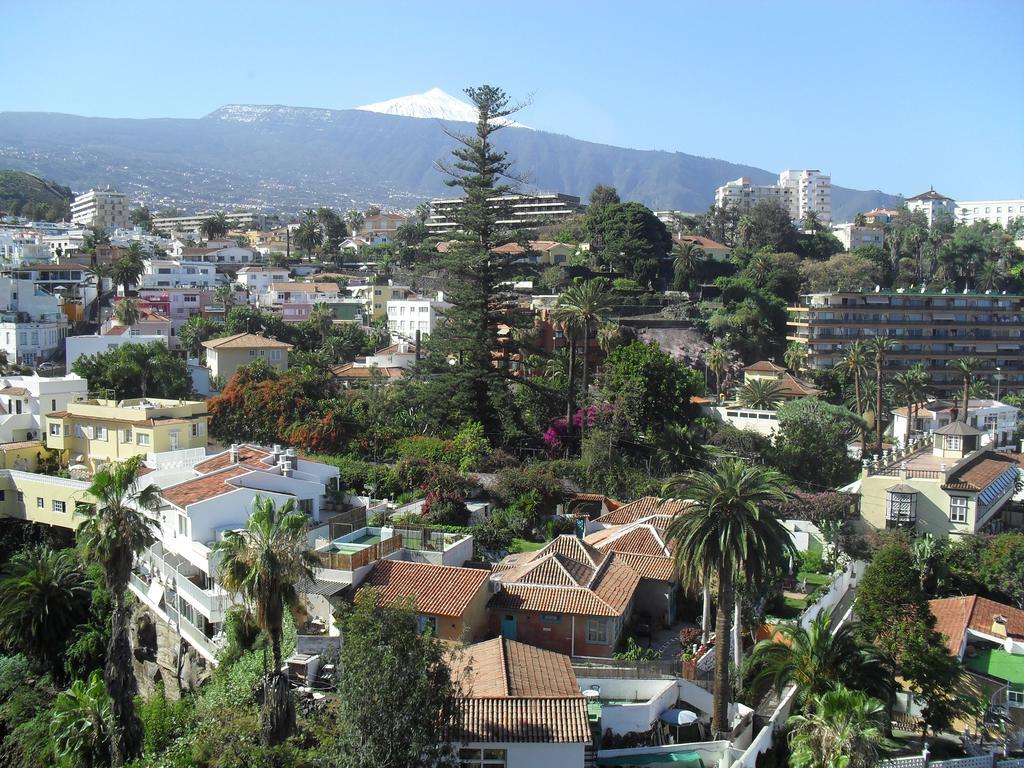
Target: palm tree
pixel 966 367
pixel 127 312
pixel 225 296
pixel 980 390
pixel 214 226
pixel 878 347
pixel 759 267
pixel 322 319
pixel 924 549
pixel 842 727
pixel 113 531
pixel 855 363
pixel 990 276
pixel 44 595
pixel 762 394
pixel 717 360
pixel 582 308
pixel 795 356
pixel 723 535
pixel 195 331
pixel 817 659
pixel 905 391
pixel 611 336
pixel 355 220
pixel 262 562
pixel 686 260
pixel 82 724
pixel 308 237
pixel 919 376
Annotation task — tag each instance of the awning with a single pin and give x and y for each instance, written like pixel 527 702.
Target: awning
pixel 688 759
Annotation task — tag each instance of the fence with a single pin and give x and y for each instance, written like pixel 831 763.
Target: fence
pixel 350 561
pixel 587 666
pixel 981 761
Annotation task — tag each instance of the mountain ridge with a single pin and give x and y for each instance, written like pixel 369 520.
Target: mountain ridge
pixel 278 157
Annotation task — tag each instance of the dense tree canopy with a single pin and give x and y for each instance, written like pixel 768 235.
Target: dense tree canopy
pixel 630 239
pixel 651 387
pixel 136 370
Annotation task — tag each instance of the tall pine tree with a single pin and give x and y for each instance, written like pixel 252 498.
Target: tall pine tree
pixel 463 376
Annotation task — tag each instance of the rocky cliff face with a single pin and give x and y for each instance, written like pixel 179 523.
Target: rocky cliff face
pixel 161 656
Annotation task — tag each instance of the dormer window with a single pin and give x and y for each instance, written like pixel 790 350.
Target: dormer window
pixel 900 507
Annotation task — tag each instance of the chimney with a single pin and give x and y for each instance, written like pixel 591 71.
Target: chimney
pixel 233 453
pixel 286 470
pixel 999 626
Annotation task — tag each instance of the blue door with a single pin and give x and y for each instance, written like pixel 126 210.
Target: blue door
pixel 508 626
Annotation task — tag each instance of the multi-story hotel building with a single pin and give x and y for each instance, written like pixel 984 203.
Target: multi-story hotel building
pixel 172 225
pixel 933 204
pixel 516 211
pixel 799 192
pixel 931 328
pixel 1000 212
pixel 103 208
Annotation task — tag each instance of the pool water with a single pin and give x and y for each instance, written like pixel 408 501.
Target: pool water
pixel 366 539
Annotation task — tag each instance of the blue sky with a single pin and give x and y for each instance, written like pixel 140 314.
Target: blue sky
pixel 897 95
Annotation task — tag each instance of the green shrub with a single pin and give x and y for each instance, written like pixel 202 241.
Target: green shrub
pixel 163 721
pixel 434 449
pixel 470 446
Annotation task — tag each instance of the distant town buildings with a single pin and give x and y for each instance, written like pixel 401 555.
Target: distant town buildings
pixel 191 224
pixel 102 208
pixel 933 204
pixel 1000 212
pixel 928 327
pixel 798 191
pixel 517 211
pixel 32 323
pixel 407 317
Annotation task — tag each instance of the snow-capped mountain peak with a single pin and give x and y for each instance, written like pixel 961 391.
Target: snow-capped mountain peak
pixel 435 104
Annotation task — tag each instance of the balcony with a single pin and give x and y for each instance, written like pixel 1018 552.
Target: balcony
pixel 183 580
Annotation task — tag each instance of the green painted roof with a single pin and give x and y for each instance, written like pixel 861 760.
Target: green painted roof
pixel 997 663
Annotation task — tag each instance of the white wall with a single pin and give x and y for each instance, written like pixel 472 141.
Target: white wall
pixel 227 511
pixel 652 697
pixel 536 755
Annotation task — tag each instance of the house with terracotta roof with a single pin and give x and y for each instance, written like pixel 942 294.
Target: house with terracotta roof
pixel 547 253
pixel 295 300
pixel 224 356
pixel 201 497
pixel 150 323
pixel 519 706
pixel 944 484
pixel 789 386
pixel 451 601
pixel 96 432
pixel 569 597
pixel 713 250
pixel 988 639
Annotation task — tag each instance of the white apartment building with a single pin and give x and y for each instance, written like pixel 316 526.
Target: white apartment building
pixel 171 273
pixel 201 498
pixel 17 248
pixel 854 236
pixel 996 419
pixel 70 280
pixel 406 317
pixel 190 225
pixel 798 191
pixel 103 208
pixel 933 204
pixel 1000 212
pixel 256 280
pixel 24 400
pixel 32 325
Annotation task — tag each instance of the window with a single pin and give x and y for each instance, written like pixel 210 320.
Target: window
pixel 958 509
pixel 427 623
pixel 252 353
pixel 101 433
pixel 21 497
pixel 142 438
pixel 275 354
pixel 597 631
pixel 551 618
pixel 40 502
pixel 53 405
pixel 58 506
pixel 900 508
pixel 953 442
pixel 55 430
pixel 482 758
pixel 197 429
pixel 126 435
pixel 1015 698
pixel 182 525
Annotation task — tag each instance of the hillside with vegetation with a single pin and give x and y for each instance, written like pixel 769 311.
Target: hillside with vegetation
pixel 24 194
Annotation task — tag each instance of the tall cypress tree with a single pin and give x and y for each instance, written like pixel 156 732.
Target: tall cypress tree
pixel 463 375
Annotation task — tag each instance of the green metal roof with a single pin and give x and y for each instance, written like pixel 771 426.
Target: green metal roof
pixel 997 663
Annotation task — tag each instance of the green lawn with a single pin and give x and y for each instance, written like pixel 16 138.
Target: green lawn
pixel 522 545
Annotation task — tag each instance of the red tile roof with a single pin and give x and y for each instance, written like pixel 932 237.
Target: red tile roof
pixel 247 454
pixel 981 472
pixel 205 487
pixel 439 590
pixel 646 506
pixel 524 720
pixel 351 371
pixel 502 667
pixel 649 566
pixel 955 615
pixel 703 242
pixel 245 341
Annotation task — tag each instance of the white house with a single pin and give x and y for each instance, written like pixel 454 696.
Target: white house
pixel 854 236
pixel 200 498
pixel 257 280
pixel 997 420
pixel 25 399
pixel 521 707
pixel 32 325
pixel 172 273
pixel 933 204
pixel 406 317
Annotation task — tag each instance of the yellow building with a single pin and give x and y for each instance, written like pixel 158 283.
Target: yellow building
pixel 96 432
pixel 944 485
pixel 225 356
pixel 41 498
